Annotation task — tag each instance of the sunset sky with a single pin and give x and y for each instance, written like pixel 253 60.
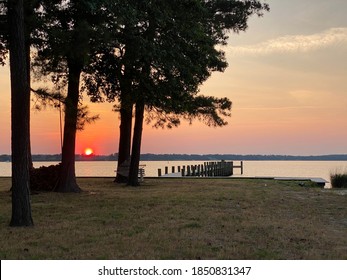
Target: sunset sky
pixel 287 78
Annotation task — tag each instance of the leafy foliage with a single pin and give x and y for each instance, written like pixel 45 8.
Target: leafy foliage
pixel 3 33
pixel 207 109
pixel 84 117
pixel 44 98
pixel 163 51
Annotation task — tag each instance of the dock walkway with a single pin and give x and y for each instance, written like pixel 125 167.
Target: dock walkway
pixel 207 169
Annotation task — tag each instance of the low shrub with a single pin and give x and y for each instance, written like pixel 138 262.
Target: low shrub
pixel 44 178
pixel 338 180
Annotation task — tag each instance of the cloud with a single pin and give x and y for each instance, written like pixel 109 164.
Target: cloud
pixel 294 43
pixel 280 108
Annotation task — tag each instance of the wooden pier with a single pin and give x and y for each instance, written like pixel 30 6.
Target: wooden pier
pixel 207 169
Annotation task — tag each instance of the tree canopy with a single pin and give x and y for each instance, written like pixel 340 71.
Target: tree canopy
pixel 161 53
pixel 3 32
pixel 152 53
pixel 167 49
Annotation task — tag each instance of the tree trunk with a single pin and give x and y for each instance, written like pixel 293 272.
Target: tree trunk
pixel 126 115
pixel 28 13
pixel 133 179
pixel 126 111
pixel 20 110
pixel 67 179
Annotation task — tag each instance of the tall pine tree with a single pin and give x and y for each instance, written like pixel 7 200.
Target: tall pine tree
pixel 164 52
pixel 70 34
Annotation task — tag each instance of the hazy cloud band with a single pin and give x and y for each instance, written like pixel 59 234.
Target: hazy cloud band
pixel 294 43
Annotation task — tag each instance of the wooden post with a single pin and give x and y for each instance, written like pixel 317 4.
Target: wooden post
pixel 183 171
pixel 232 168
pixel 188 170
pixel 241 167
pixel 159 172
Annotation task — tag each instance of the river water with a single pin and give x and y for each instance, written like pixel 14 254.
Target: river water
pixel 321 169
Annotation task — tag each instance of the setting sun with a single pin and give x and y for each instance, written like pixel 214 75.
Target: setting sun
pixel 88 152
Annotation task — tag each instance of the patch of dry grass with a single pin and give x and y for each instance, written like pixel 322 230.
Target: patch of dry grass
pixel 180 219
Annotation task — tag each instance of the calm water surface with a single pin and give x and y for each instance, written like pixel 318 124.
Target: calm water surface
pixel 320 169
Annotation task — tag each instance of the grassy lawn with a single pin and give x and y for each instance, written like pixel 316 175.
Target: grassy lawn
pixel 180 219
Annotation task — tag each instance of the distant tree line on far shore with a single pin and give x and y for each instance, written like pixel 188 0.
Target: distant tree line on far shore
pixel 185 157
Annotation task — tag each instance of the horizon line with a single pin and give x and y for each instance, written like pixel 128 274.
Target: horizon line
pixel 193 154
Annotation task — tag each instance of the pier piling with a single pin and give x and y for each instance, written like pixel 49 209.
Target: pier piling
pixel 206 169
